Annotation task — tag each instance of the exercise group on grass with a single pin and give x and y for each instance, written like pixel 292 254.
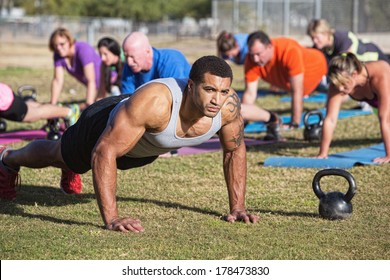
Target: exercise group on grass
pixel 143 102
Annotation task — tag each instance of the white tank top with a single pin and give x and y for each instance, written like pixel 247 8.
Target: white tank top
pixel 153 144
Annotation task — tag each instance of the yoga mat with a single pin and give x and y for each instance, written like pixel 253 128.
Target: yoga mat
pixel 349 159
pixel 257 127
pixel 17 136
pixel 213 145
pixel 312 98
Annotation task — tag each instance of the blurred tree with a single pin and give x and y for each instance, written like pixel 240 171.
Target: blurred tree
pixel 151 10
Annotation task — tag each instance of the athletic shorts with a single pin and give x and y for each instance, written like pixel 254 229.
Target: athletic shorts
pixel 78 141
pixel 17 111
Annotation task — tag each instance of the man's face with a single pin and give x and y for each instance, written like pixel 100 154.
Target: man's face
pixel 211 94
pixel 260 54
pixel 136 57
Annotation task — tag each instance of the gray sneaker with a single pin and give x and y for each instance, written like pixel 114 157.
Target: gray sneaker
pixel 273 129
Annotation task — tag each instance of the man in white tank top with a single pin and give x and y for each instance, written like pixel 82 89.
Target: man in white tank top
pixel 122 133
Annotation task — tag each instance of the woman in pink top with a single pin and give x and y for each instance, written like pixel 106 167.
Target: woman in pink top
pixel 16 108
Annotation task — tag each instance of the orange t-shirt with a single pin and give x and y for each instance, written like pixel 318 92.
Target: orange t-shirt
pixel 289 59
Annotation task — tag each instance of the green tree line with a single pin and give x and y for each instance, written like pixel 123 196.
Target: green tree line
pixel 142 10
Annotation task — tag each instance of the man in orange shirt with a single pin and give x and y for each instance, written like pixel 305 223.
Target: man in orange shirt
pixel 283 63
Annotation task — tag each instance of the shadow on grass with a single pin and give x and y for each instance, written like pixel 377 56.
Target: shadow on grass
pixel 171 205
pixel 52 197
pixel 30 195
pixel 284 213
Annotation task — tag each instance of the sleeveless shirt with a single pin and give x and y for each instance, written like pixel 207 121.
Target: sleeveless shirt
pixel 152 144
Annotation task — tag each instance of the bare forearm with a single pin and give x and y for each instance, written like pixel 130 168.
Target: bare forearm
pixel 385 131
pixel 91 93
pixel 56 87
pixel 235 169
pixel 104 181
pixel 327 134
pixel 297 107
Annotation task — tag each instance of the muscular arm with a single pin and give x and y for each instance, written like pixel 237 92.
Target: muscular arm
pixel 234 161
pixel 297 98
pixel 120 136
pixel 57 84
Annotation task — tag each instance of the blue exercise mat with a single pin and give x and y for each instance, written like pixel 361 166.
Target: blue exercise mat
pixel 257 127
pixel 313 98
pixel 348 159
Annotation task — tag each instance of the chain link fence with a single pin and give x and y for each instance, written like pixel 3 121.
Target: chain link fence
pixel 276 17
pixel 291 17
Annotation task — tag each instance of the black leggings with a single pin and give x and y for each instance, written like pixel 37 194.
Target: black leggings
pixel 17 111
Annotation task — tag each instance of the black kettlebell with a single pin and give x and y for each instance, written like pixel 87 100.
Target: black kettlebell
pixel 3 125
pixel 334 205
pixel 313 132
pixel 54 129
pixel 32 92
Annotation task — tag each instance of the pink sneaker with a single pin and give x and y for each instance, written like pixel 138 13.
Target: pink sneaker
pixel 9 179
pixel 70 182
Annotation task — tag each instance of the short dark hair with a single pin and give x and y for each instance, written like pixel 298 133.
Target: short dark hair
pixel 210 64
pixel 258 35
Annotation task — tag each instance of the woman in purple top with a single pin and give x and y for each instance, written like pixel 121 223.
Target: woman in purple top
pixel 79 59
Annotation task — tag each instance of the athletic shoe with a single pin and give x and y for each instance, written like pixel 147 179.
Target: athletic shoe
pixel 73 115
pixel 273 129
pixel 9 179
pixel 365 106
pixel 70 182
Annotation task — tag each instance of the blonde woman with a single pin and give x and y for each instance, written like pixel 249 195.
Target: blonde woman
pixel 334 42
pixel 369 82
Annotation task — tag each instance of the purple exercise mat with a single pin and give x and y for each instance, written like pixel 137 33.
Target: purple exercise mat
pixel 209 146
pixel 214 145
pixel 16 136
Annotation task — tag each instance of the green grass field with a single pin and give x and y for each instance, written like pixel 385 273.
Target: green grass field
pixel 181 202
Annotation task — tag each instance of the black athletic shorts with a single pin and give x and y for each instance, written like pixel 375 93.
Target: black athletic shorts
pixel 17 111
pixel 78 141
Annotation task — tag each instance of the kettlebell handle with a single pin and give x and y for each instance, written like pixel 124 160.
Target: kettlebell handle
pixel 23 88
pixel 313 113
pixel 334 172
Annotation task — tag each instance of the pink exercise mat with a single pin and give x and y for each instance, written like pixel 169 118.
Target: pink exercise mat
pixel 213 145
pixel 17 136
pixel 210 146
